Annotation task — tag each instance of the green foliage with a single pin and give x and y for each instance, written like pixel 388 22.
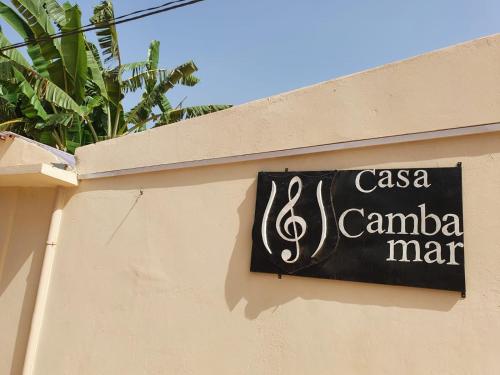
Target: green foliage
pixel 65 96
pixel 107 36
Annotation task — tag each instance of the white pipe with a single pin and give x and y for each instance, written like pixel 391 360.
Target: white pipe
pixel 368 142
pixel 44 283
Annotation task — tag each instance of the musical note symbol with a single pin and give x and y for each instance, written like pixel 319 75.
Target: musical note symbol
pixel 294 226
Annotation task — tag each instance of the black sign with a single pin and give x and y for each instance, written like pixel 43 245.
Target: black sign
pixel 388 226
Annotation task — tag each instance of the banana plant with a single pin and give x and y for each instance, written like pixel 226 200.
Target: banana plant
pixel 71 91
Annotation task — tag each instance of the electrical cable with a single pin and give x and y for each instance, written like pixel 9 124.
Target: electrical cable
pixel 91 27
pixel 171 5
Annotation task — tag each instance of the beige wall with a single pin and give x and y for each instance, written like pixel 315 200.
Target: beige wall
pixel 24 222
pixel 152 270
pixel 159 283
pixel 17 151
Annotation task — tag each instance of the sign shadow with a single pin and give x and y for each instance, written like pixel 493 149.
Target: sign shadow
pixel 261 292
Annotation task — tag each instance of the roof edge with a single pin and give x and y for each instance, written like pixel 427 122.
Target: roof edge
pixel 64 157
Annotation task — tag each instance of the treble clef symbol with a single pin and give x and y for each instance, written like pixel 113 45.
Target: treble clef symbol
pixel 295 226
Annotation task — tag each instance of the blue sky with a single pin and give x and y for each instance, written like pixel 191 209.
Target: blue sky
pixel 250 49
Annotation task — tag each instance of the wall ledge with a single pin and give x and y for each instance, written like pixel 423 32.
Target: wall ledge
pixel 36 175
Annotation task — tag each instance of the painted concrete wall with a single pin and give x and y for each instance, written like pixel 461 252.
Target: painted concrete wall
pixel 24 222
pixel 16 151
pixel 152 270
pixel 159 283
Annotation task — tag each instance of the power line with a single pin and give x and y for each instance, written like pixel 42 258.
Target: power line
pixel 117 20
pixel 171 5
pixel 146 9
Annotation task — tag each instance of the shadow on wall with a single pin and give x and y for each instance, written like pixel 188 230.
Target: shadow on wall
pixel 23 234
pixel 265 291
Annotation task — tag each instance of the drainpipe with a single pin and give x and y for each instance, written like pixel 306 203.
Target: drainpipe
pixel 43 285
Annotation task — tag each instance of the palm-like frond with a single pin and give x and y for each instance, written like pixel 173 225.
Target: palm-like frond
pixel 179 114
pixel 153 59
pixel 17 23
pixel 7 124
pixel 49 91
pixel 142 79
pixel 95 53
pixel 31 105
pixel 55 12
pixel 55 119
pixel 107 36
pixel 65 96
pixel 95 74
pixel 189 80
pixel 201 110
pixel 7 80
pixel 153 55
pixel 139 80
pixel 133 68
pixel 177 75
pixel 12 54
pixel 145 74
pixel 38 21
pixel 35 13
pixel 153 97
pixel 91 103
pixel 164 104
pixel 74 54
pixel 113 87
